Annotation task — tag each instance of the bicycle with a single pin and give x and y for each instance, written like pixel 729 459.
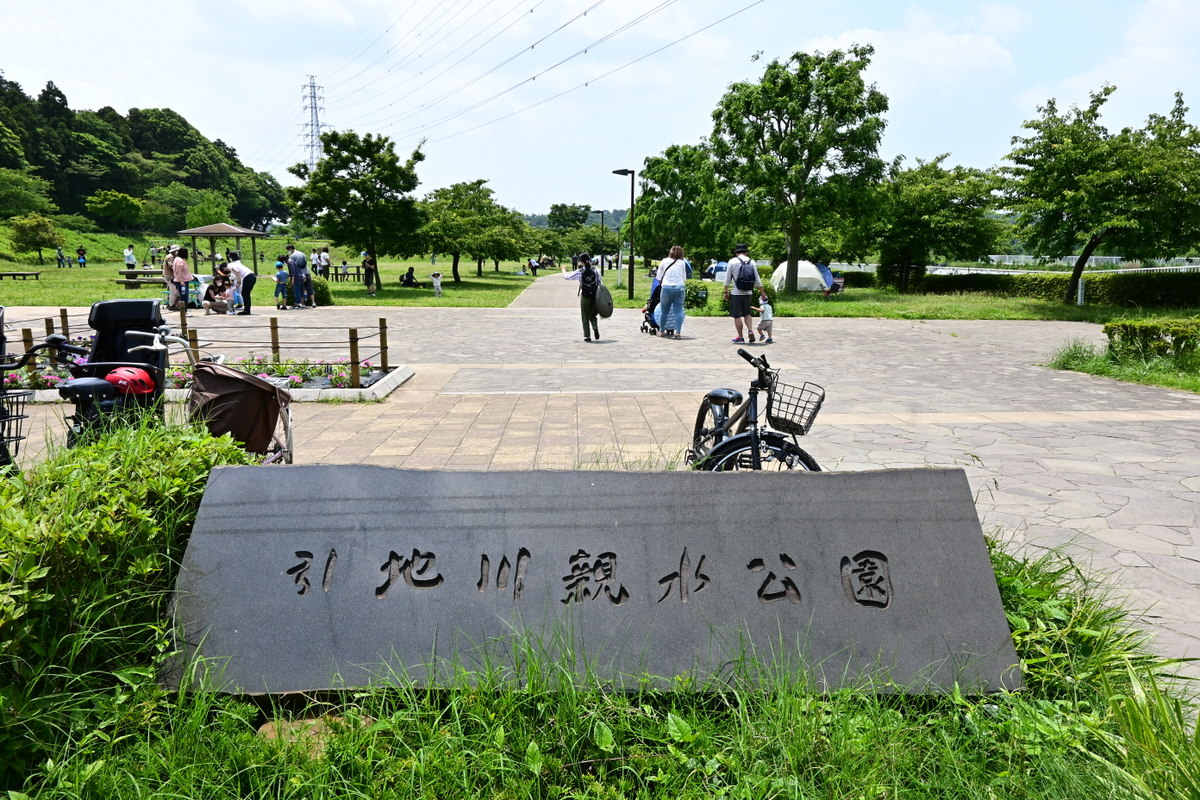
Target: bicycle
pixel 725 440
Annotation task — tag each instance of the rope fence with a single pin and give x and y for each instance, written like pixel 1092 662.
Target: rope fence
pixel 361 345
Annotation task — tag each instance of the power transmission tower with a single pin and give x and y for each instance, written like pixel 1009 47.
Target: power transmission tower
pixel 313 99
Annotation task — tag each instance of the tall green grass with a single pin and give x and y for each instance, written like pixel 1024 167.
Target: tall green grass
pixel 1172 372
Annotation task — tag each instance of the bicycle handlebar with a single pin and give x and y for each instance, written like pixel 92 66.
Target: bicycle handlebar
pixel 56 342
pixel 759 362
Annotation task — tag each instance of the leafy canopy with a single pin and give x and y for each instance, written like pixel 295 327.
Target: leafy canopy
pixel 799 147
pixel 359 194
pixel 33 233
pixel 1076 186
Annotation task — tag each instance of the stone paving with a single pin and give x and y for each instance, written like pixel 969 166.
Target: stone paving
pixel 1108 471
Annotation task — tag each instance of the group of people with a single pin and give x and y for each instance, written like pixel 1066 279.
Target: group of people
pixel 80 257
pixel 742 286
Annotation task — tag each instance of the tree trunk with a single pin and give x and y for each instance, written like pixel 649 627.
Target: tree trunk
pixel 792 282
pixel 454 257
pixel 40 256
pixel 479 267
pixel 496 263
pixel 1077 272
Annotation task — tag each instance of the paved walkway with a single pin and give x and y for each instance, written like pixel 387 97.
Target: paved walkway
pixel 1108 471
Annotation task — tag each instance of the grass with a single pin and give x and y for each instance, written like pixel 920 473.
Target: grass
pixel 1171 373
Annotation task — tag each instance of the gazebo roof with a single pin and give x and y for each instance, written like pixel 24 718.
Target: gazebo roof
pixel 221 229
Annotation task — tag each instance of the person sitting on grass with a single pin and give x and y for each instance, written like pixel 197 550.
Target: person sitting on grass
pixel 410 280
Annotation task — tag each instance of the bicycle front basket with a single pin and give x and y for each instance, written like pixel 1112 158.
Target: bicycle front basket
pixel 792 409
pixel 12 415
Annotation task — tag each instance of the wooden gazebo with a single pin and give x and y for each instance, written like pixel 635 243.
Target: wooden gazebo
pixel 223 230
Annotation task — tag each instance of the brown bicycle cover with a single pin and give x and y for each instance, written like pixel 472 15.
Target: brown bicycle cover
pixel 234 402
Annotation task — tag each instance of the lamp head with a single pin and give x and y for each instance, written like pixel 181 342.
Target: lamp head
pixel 622 172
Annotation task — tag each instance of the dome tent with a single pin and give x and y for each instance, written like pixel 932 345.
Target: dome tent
pixel 808 278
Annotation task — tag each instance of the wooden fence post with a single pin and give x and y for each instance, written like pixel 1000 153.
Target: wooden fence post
pixel 275 339
pixel 183 326
pixel 27 341
pixel 355 380
pixel 62 316
pixel 194 344
pixel 49 326
pixel 383 345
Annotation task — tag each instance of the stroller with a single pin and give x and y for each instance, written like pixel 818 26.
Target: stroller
pixel 649 325
pixel 118 382
pixel 253 411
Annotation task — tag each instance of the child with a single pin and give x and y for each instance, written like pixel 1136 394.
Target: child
pixel 436 278
pixel 765 320
pixel 281 282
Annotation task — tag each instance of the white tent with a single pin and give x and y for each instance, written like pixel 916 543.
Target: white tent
pixel 808 279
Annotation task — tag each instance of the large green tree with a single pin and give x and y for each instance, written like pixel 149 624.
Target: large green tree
pixel 458 219
pixel 360 194
pixel 799 147
pixel 34 233
pixel 681 204
pixel 23 193
pixel 567 216
pixel 119 210
pixel 930 210
pixel 1075 186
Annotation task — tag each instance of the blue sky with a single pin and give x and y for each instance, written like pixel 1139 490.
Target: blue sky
pixel 601 89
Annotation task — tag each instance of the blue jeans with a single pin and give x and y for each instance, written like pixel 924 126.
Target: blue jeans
pixel 671 301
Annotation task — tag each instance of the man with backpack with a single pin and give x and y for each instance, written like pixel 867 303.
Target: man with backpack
pixel 742 283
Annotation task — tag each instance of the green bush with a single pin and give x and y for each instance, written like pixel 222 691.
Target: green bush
pixel 321 289
pixel 1139 289
pixel 697 293
pixel 859 280
pixel 89 541
pixel 1154 338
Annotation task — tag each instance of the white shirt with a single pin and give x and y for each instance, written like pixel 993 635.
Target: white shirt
pixel 239 271
pixel 672 271
pixel 130 258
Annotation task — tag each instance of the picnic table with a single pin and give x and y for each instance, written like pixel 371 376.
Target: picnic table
pixel 140 273
pixel 22 275
pixel 137 283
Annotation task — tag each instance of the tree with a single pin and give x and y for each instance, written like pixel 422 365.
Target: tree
pixel 679 204
pixel 457 217
pixel 928 211
pixel 121 211
pixel 564 216
pixel 359 194
pixel 33 232
pixel 800 146
pixel 209 208
pixel 22 193
pixel 1076 187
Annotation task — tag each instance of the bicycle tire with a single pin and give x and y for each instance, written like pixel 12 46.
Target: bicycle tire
pixel 709 430
pixel 777 454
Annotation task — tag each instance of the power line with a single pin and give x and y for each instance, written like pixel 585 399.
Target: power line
pixel 600 77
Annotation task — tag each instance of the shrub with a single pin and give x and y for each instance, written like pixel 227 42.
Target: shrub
pixel 1137 289
pixel 89 540
pixel 697 293
pixel 321 289
pixel 1155 338
pixel 859 280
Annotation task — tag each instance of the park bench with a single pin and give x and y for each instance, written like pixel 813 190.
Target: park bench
pixel 139 273
pixel 138 283
pixel 22 275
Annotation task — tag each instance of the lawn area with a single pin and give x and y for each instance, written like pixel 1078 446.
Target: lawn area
pixel 1172 373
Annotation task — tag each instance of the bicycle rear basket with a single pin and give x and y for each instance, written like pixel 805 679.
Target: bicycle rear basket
pixel 12 415
pixel 792 409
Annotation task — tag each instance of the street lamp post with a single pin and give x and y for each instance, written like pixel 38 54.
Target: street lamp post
pixel 631 173
pixel 602 259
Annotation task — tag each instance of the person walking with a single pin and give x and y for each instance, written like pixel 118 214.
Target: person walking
pixel 742 282
pixel 61 256
pixel 766 318
pixel 589 282
pixel 81 256
pixel 672 272
pixel 130 258
pixel 244 279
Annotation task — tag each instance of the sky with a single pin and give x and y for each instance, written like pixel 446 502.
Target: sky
pixel 545 98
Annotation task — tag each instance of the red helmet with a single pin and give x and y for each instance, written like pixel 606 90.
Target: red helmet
pixel 131 380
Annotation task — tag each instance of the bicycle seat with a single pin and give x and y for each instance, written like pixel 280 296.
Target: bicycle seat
pixel 96 388
pixel 724 397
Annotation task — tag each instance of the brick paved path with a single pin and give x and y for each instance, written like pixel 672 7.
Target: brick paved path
pixel 1109 471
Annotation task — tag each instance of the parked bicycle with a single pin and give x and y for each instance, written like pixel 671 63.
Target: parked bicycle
pixel 727 435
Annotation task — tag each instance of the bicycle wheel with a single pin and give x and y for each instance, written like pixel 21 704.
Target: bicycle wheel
pixel 709 430
pixel 775 454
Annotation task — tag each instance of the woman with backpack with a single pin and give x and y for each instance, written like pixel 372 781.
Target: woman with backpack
pixel 589 282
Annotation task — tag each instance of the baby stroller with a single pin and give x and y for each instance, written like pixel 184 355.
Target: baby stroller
pixel 649 324
pixel 253 411
pixel 118 382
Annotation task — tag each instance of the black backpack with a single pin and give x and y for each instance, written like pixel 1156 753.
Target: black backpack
pixel 744 280
pixel 588 281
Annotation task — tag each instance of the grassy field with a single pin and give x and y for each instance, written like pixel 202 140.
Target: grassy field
pixel 1171 373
